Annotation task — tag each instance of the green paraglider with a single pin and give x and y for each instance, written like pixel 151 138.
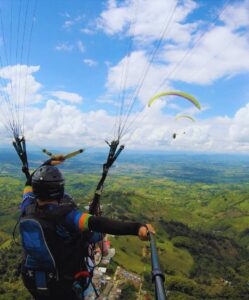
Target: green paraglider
pixel 185 116
pixel 182 117
pixel 176 93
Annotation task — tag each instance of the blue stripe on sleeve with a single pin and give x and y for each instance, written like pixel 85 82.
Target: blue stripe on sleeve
pixel 70 218
pixel 25 203
pixel 77 218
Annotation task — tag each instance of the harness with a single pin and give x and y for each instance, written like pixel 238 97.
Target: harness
pixel 52 254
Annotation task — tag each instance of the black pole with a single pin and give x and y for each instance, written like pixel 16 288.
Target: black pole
pixel 157 274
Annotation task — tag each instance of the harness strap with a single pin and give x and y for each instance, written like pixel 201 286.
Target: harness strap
pixel 41 281
pixel 77 288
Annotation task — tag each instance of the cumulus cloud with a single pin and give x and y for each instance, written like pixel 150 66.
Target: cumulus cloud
pixel 107 100
pixel 19 85
pixel 56 121
pixel 66 96
pixel 150 19
pixel 131 73
pixel 59 118
pixel 240 18
pixel 239 130
pixel 19 89
pixel 217 134
pixel 155 132
pixel 190 52
pixel 210 60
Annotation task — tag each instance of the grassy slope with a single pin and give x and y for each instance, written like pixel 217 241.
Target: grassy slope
pixel 220 209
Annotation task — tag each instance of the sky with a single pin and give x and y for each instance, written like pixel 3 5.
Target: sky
pixel 75 73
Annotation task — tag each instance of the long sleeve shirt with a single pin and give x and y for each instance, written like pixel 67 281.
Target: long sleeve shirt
pixel 79 221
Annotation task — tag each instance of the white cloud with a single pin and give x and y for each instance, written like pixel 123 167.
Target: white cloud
pixel 197 52
pixel 67 47
pixel 64 47
pixel 81 46
pixel 70 22
pixel 107 100
pixel 236 15
pixel 19 85
pixel 59 121
pixel 19 89
pixel 65 15
pixel 210 60
pixel 87 31
pixel 130 72
pixel 63 121
pixel 239 130
pixel 69 97
pixel 90 62
pixel 219 134
pixel 151 19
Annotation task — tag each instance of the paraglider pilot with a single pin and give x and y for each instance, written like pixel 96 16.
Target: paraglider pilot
pixel 56 236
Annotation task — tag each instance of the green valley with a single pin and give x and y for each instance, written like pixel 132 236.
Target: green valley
pixel 198 204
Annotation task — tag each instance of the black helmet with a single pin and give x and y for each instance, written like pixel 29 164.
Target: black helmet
pixel 48 183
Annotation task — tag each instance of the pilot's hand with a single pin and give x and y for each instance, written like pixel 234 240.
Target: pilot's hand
pixel 57 159
pixel 144 230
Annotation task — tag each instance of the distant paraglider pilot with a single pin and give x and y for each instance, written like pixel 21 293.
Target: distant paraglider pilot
pixel 56 237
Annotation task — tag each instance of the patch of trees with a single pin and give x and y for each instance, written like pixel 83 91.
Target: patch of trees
pixel 9 263
pixel 129 291
pixel 215 258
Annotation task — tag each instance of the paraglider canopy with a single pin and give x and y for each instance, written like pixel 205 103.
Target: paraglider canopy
pixel 176 93
pixel 185 116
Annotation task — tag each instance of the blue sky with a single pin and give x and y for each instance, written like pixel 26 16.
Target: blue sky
pixel 85 55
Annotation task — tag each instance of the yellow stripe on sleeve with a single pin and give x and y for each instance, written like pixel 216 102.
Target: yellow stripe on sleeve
pixel 83 222
pixel 27 189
